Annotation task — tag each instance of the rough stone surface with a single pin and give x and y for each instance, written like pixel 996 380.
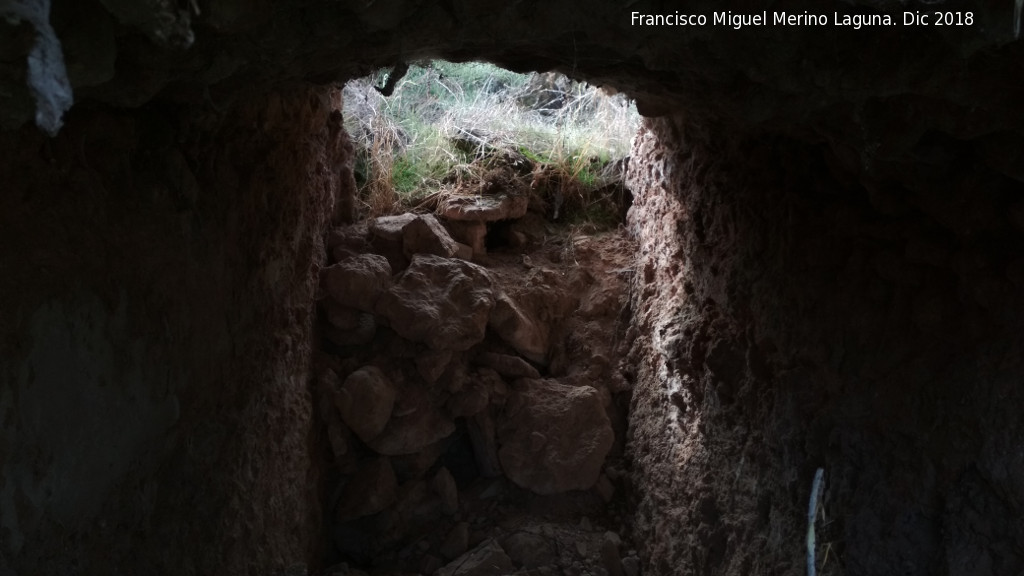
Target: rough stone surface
pixel 416 465
pixel 482 435
pixel 371 489
pixel 365 402
pixel 432 364
pixel 529 550
pixel 391 228
pixel 359 281
pixel 470 400
pixel 487 559
pixel 355 328
pixel 415 424
pixel 346 241
pixel 425 235
pixel 456 542
pixel 506 365
pixel 722 320
pixel 444 486
pixel 472 234
pixel 610 554
pixel 441 302
pixel 523 330
pixel 483 208
pixel 339 316
pixel 553 437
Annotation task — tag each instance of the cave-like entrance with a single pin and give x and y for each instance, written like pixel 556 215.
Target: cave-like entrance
pixel 470 378
pixel 830 254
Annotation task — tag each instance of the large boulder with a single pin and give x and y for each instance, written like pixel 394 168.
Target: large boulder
pixel 521 328
pixel 358 281
pixel 441 302
pixel 365 402
pixel 553 437
pixel 415 424
pixel 425 235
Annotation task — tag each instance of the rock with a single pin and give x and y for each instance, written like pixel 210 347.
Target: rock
pixel 472 234
pixel 553 437
pixel 371 489
pixel 328 387
pixel 483 208
pixel 432 364
pixel 469 401
pixel 487 559
pixel 425 235
pixel 511 366
pixel 440 302
pixel 347 239
pixel 390 228
pixel 365 402
pixel 456 542
pixel 455 376
pixel 430 564
pixel 338 435
pixel 610 554
pixel 358 282
pixel 496 385
pixel 463 251
pixel 528 335
pixel 605 489
pixel 362 333
pixel 340 316
pixel 444 486
pixel 631 566
pixel 412 466
pixel 485 448
pixel 386 234
pixel 530 551
pixel 415 424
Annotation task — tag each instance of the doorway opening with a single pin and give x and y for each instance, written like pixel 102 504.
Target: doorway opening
pixel 473 319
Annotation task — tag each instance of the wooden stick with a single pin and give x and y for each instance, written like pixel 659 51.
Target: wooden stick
pixel 812 509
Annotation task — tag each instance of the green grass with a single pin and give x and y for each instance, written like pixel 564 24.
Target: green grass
pixel 443 118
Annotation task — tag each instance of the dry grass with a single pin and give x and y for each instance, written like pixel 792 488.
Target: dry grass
pixel 447 127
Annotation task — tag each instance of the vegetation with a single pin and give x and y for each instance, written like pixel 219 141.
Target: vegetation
pixel 447 126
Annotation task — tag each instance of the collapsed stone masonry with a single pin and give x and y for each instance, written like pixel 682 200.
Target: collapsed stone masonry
pixel 442 366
